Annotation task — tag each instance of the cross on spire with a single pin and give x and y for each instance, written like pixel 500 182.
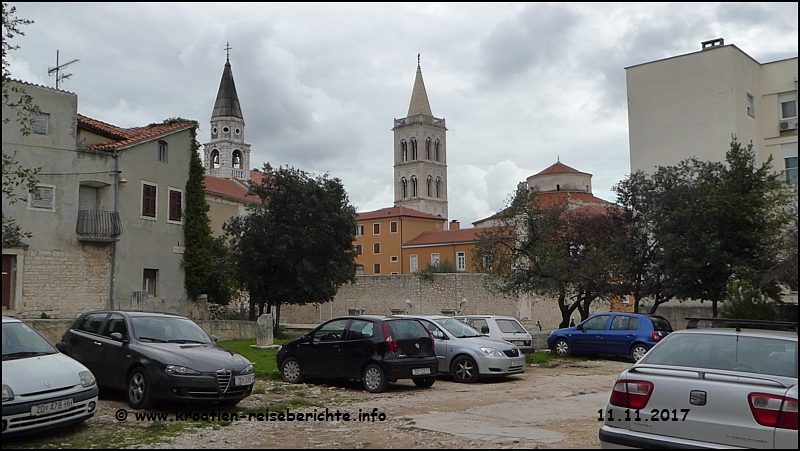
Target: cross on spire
pixel 227 51
pixel 418 60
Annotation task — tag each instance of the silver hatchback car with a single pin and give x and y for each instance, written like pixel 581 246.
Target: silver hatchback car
pixel 466 354
pixel 708 388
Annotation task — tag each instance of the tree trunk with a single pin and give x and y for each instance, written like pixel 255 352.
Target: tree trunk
pixel 276 328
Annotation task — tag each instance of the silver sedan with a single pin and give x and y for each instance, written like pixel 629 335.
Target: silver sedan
pixel 466 354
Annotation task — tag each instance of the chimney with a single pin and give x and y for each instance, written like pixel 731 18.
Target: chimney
pixel 455 225
pixel 719 42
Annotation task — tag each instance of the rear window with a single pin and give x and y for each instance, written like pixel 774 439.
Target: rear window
pixel 509 326
pixel 407 329
pixel 660 324
pixel 759 355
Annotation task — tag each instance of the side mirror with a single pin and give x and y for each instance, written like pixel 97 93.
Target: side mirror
pixel 116 336
pixel 485 330
pixel 580 326
pixel 214 338
pixel 61 347
pixel 438 334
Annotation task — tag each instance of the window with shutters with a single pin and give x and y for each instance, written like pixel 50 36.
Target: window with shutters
pixel 149 197
pixel 175 205
pixel 42 198
pixel 88 198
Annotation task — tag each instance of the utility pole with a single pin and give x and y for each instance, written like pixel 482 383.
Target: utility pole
pixel 57 70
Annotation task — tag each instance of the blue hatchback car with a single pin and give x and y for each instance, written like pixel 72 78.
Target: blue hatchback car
pixel 611 333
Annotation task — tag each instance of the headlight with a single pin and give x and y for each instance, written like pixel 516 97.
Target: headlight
pixel 87 378
pixel 182 370
pixel 491 352
pixel 248 369
pixel 8 395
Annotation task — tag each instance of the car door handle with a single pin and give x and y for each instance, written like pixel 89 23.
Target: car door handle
pixel 336 347
pixel 98 343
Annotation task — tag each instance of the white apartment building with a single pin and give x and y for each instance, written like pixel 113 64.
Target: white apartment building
pixel 690 106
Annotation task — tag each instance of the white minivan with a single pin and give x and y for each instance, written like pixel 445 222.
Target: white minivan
pixel 42 388
pixel 501 328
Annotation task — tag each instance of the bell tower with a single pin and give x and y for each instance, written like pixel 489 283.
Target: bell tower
pixel 420 155
pixel 227 155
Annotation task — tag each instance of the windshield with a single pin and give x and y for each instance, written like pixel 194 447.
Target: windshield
pixel 457 328
pixel 20 340
pixel 727 352
pixel 168 330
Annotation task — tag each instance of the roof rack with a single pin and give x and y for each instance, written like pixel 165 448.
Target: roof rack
pixel 720 322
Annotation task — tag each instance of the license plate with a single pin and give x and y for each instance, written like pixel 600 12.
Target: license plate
pixel 516 363
pixel 244 380
pixel 51 407
pixel 420 371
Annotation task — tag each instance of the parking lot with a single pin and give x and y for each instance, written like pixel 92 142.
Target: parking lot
pixel 550 406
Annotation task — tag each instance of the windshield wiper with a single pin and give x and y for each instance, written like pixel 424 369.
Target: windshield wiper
pixel 185 340
pixel 156 340
pixel 21 354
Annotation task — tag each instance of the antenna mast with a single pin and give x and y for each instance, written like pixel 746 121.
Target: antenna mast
pixel 57 70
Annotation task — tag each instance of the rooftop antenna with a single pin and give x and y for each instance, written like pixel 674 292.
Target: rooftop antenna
pixel 57 70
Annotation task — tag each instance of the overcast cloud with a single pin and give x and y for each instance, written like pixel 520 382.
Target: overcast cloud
pixel 320 84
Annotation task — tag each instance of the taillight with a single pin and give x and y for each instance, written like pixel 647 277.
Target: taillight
pixel 631 394
pixel 656 335
pixel 773 410
pixel 392 343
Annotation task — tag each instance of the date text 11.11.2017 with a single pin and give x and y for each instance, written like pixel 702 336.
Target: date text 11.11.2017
pixel 655 415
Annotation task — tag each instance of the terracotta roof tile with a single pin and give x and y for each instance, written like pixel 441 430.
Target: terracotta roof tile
pixel 394 212
pixel 128 136
pixel 576 200
pixel 559 168
pixel 231 188
pixel 446 237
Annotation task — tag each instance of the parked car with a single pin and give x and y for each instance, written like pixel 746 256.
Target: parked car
pixel 42 388
pixel 157 357
pixel 708 388
pixel 501 328
pixel 611 333
pixel 375 349
pixel 467 354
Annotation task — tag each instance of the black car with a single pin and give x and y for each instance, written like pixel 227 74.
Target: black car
pixel 375 349
pixel 157 357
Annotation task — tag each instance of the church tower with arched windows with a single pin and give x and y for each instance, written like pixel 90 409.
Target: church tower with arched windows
pixel 420 156
pixel 227 155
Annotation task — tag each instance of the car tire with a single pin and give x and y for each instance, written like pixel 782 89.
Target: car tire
pixel 374 379
pixel 562 348
pixel 464 369
pixel 637 352
pixel 290 371
pixel 424 382
pixel 138 389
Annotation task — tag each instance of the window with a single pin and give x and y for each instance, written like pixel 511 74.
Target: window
pixel 393 227
pixel 393 258
pixel 88 197
pixel 413 149
pixel 403 151
pixel 488 258
pixel 214 159
pixel 413 187
pixel 175 205
pixel 751 105
pixel 789 109
pixel 91 323
pixel 359 249
pixel 237 159
pixel 359 269
pixel 359 230
pixel 461 261
pixel 791 170
pixel 149 281
pixel 376 228
pixel 413 263
pixel 436 151
pixel 376 248
pixel 40 123
pixel 376 268
pixel 162 151
pixel 116 323
pixel 622 322
pixel 435 259
pixel 428 149
pixel 429 185
pixel 42 198
pixel 597 323
pixel 149 200
pixel 438 187
pixel 404 184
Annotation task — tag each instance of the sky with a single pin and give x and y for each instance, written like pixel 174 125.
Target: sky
pixel 521 85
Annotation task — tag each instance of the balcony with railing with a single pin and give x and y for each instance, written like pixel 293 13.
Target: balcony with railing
pixel 98 226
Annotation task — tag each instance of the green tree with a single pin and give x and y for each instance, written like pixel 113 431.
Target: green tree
pixel 296 246
pixel 222 284
pixel 15 99
pixel 198 261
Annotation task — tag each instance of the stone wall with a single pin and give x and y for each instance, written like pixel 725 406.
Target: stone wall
pixel 64 284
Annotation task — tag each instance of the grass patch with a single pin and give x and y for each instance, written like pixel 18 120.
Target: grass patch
pixel 263 359
pixel 539 357
pixel 279 406
pixel 122 435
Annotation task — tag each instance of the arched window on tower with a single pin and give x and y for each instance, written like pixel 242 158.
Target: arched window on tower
pixel 403 151
pixel 237 159
pixel 413 186
pixel 428 149
pixel 404 186
pixel 436 150
pixel 214 159
pixel 429 184
pixel 438 187
pixel 413 148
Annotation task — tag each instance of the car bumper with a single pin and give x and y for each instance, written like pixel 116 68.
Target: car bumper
pixel 404 369
pixel 617 438
pixel 17 418
pixel 204 387
pixel 501 366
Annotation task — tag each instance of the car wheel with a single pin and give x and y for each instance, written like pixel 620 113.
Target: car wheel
pixel 424 382
pixel 562 348
pixel 290 371
pixel 637 352
pixel 464 369
pixel 138 392
pixel 374 379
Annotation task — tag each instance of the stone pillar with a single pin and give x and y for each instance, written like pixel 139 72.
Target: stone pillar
pixel 264 326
